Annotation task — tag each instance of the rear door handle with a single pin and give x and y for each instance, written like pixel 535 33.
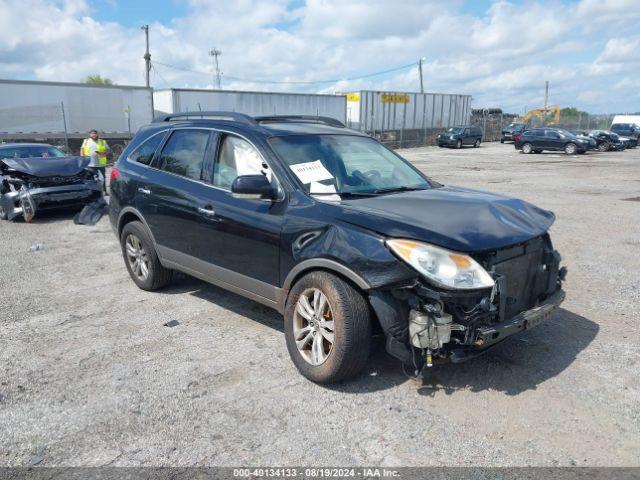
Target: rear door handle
pixel 209 212
pixel 146 191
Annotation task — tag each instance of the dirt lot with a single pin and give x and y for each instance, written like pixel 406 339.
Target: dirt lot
pixel 90 376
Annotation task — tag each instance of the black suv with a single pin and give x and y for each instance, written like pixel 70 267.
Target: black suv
pixel 630 130
pixel 511 131
pixel 459 136
pixel 336 232
pixel 538 139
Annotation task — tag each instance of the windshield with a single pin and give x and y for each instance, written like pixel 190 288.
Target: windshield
pixel 516 125
pixel 344 164
pixel 29 151
pixel 455 130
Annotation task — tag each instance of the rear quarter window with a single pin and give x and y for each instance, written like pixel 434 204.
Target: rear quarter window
pixel 145 151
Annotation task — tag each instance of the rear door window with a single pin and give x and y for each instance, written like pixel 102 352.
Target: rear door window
pixel 184 153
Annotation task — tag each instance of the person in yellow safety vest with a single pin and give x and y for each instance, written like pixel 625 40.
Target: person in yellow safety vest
pixel 97 149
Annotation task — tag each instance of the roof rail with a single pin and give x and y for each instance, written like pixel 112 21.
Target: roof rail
pixel 332 122
pixel 237 117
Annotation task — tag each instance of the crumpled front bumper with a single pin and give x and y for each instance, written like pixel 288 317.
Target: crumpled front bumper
pixel 494 334
pixel 50 197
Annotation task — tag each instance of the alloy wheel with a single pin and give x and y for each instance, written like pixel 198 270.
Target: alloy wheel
pixel 313 326
pixel 137 257
pixel 570 149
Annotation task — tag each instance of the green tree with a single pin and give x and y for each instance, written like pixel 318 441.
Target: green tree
pixel 98 80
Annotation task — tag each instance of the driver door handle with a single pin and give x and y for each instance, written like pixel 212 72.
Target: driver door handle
pixel 145 191
pixel 208 211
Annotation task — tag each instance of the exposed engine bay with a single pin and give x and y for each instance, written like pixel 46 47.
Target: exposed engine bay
pixel 28 185
pixel 426 325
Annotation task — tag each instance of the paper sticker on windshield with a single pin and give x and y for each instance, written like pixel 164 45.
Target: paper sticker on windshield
pixel 311 172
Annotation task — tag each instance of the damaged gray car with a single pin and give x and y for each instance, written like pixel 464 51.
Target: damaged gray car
pixel 35 177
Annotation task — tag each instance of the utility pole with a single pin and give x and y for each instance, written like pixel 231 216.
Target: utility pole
pixel 420 70
pixel 215 53
pixel 147 55
pixel 546 95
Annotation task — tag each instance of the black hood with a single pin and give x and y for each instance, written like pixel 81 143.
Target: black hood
pixel 48 166
pixel 456 218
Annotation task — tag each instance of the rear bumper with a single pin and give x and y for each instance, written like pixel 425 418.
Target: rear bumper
pixel 51 197
pixel 490 336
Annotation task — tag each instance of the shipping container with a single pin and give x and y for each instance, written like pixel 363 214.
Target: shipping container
pixel 33 110
pixel 252 103
pixel 375 112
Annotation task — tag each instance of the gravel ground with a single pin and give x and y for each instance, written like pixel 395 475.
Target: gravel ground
pixel 90 376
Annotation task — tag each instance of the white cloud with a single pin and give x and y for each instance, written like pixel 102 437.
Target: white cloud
pixel 501 57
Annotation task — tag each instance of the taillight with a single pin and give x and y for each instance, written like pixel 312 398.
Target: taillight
pixel 516 137
pixel 114 174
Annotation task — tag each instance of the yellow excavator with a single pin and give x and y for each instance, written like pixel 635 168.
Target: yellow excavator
pixel 543 112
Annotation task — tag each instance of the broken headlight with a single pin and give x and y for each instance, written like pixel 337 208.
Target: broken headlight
pixel 443 267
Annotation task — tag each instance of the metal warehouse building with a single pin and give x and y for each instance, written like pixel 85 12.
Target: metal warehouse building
pixel 176 100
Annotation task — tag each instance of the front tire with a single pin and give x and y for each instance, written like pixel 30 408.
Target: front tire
pixel 527 148
pixel 3 212
pixel 327 328
pixel 141 258
pixel 459 144
pixel 604 147
pixel 477 143
pixel 570 149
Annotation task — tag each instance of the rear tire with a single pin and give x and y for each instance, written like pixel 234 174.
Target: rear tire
pixel 604 147
pixel 141 258
pixel 502 140
pixel 345 309
pixel 477 143
pixel 459 144
pixel 527 148
pixel 3 213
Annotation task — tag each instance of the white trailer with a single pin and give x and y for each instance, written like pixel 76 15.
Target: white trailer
pixel 47 111
pixel 176 100
pixel 376 111
pixel 626 119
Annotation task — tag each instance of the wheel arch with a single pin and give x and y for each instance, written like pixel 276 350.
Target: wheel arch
pixel 130 214
pixel 320 264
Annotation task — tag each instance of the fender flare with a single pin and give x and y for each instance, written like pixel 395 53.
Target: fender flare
pixel 138 215
pixel 316 264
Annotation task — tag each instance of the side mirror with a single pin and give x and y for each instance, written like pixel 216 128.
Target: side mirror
pixel 256 187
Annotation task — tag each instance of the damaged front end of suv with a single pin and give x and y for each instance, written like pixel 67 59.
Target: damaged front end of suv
pixel 451 271
pixel 464 304
pixel 28 185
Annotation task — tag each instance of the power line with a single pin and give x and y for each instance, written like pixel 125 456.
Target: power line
pixel 314 82
pixel 157 72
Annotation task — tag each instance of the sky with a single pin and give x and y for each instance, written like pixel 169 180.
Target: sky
pixel 500 52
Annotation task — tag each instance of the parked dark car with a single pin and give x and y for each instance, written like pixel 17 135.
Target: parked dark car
pixel 459 136
pixel 607 140
pixel 537 140
pixel 37 176
pixel 630 130
pixel 511 130
pixel 336 232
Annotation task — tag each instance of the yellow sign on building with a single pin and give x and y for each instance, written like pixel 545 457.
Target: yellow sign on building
pixel 395 98
pixel 353 97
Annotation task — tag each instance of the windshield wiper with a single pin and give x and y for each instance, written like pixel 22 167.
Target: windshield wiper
pixel 397 189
